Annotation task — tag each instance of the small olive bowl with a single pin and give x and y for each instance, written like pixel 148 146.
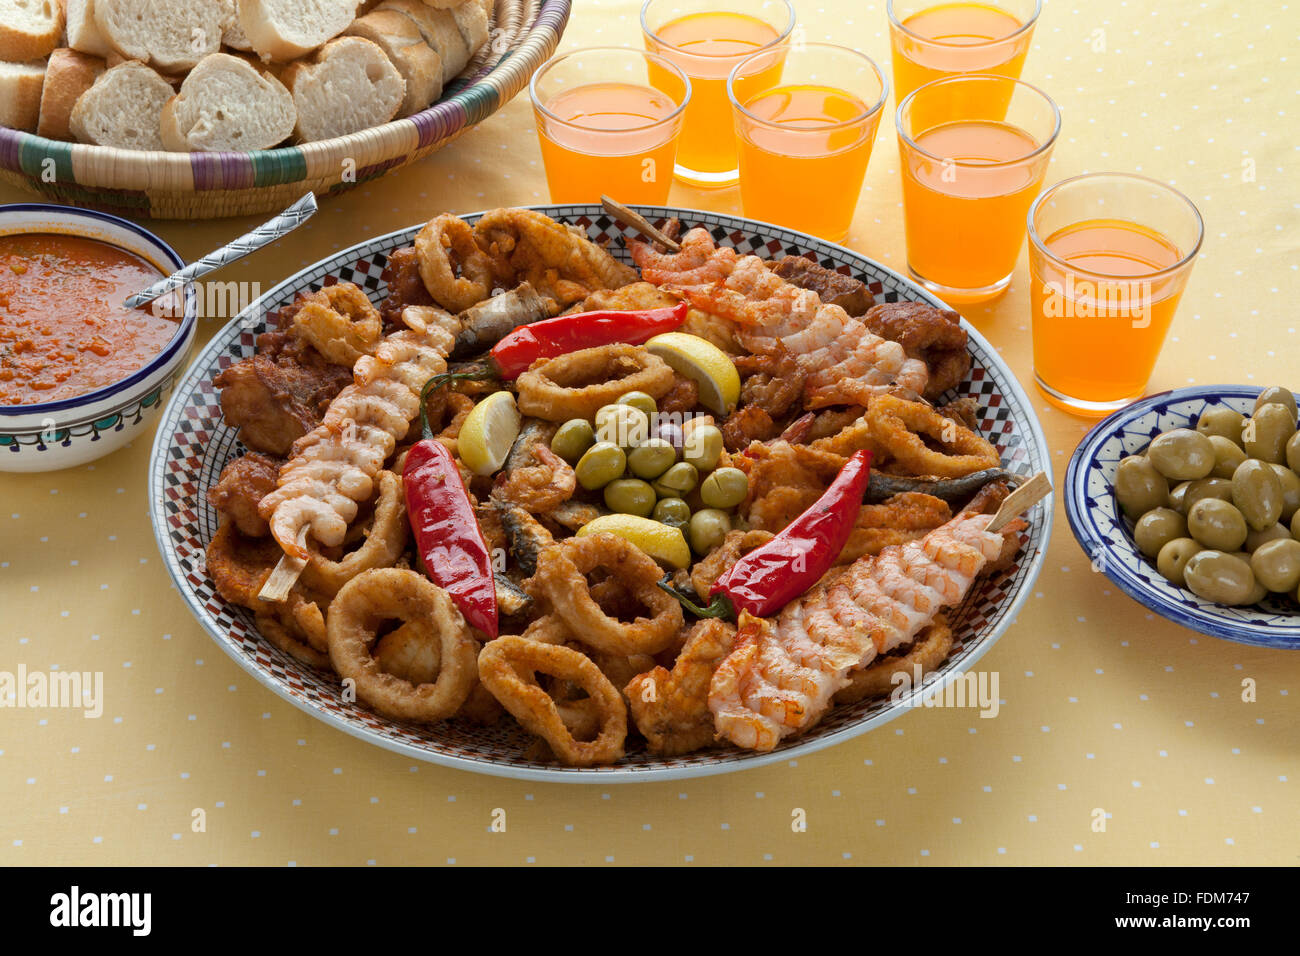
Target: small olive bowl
pixel 72 431
pixel 1106 536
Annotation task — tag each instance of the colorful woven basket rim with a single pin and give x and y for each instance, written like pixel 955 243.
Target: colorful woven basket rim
pixel 482 94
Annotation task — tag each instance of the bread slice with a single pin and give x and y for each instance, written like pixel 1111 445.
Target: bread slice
pixel 83 32
pixel 226 103
pixel 404 45
pixel 348 86
pixel 122 108
pixel 20 95
pixel 287 29
pixel 472 22
pixel 232 34
pixel 29 29
pixel 438 27
pixel 68 75
pixel 170 35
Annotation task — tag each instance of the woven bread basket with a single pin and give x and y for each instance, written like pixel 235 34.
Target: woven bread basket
pixel 162 185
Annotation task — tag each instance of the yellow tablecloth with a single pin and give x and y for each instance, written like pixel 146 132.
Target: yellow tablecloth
pixel 1105 705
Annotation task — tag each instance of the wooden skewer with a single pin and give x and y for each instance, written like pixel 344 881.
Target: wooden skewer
pixel 285 575
pixel 1021 500
pixel 638 222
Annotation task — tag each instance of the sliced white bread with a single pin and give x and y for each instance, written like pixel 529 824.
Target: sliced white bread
pixel 402 42
pixel 232 34
pixel 170 35
pixel 29 29
pixel 349 85
pixel 226 103
pixel 122 108
pixel 438 27
pixel 20 95
pixel 287 29
pixel 472 21
pixel 68 74
pixel 83 32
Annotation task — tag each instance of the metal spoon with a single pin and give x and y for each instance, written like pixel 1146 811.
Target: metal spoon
pixel 269 231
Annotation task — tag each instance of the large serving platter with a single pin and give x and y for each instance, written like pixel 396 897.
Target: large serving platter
pixel 193 444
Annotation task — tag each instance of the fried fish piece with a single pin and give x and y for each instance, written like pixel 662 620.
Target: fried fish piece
pixel 934 336
pixel 833 288
pixel 244 482
pixel 671 708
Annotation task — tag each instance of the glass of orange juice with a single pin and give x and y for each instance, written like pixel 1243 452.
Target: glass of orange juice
pixel 971 167
pixel 805 117
pixel 604 128
pixel 707 41
pixel 1109 257
pixel 931 40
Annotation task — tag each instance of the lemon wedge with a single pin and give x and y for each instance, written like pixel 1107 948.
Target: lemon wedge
pixel 489 430
pixel 704 363
pixel 662 542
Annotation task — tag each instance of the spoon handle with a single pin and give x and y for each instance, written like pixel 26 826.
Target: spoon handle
pixel 269 231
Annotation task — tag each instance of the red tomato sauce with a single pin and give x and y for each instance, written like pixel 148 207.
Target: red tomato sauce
pixel 63 329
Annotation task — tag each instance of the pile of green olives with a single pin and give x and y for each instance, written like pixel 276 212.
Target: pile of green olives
pixel 646 465
pixel 1218 507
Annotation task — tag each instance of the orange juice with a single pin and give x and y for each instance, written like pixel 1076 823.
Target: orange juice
pixel 801 139
pixel 706 46
pixel 1099 324
pixel 964 214
pixel 963 38
pixel 611 139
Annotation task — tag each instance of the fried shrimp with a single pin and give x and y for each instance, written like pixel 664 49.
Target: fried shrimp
pixel 384 541
pixel 561 577
pixel 671 707
pixel 902 427
pixel 539 488
pixel 352 627
pixel 457 273
pixel 578 384
pixel 339 322
pixel 508 667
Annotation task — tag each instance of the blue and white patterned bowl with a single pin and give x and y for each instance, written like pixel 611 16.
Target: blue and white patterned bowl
pixel 73 431
pixel 1107 537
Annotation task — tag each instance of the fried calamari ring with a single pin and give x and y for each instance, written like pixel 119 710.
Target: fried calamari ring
pixel 508 667
pixel 445 243
pixel 578 384
pixel 354 618
pixel 561 576
pixel 385 540
pixel 339 322
pixel 902 427
pixel 928 651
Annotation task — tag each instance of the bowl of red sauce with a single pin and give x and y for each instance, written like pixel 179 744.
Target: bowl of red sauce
pixel 80 373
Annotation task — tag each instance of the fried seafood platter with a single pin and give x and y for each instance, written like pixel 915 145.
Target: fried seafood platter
pixel 523 493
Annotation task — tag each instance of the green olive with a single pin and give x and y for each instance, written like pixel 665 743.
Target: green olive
pixel 1227 456
pixel 1220 488
pixel 1276 394
pixel 651 458
pixel 1277 564
pixel 707 529
pixel 1219 577
pixel 1139 487
pixel 1293 453
pixel 601 464
pixel 1216 524
pixel 1257 493
pixel 678 481
pixel 724 488
pixel 630 496
pixel 1257 593
pixel 702 446
pixel 1178 496
pixel 1158 527
pixel 1173 558
pixel 1290 483
pixel 641 400
pixel 1221 421
pixel 672 511
pixel 572 439
pixel 1295 525
pixel 1268 432
pixel 622 425
pixel 1255 538
pixel 1181 454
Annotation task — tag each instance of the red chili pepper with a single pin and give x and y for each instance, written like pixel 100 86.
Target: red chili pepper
pixel 774 574
pixel 447 534
pixel 563 334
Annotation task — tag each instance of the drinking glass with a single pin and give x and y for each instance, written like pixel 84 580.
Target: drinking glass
pixel 1109 257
